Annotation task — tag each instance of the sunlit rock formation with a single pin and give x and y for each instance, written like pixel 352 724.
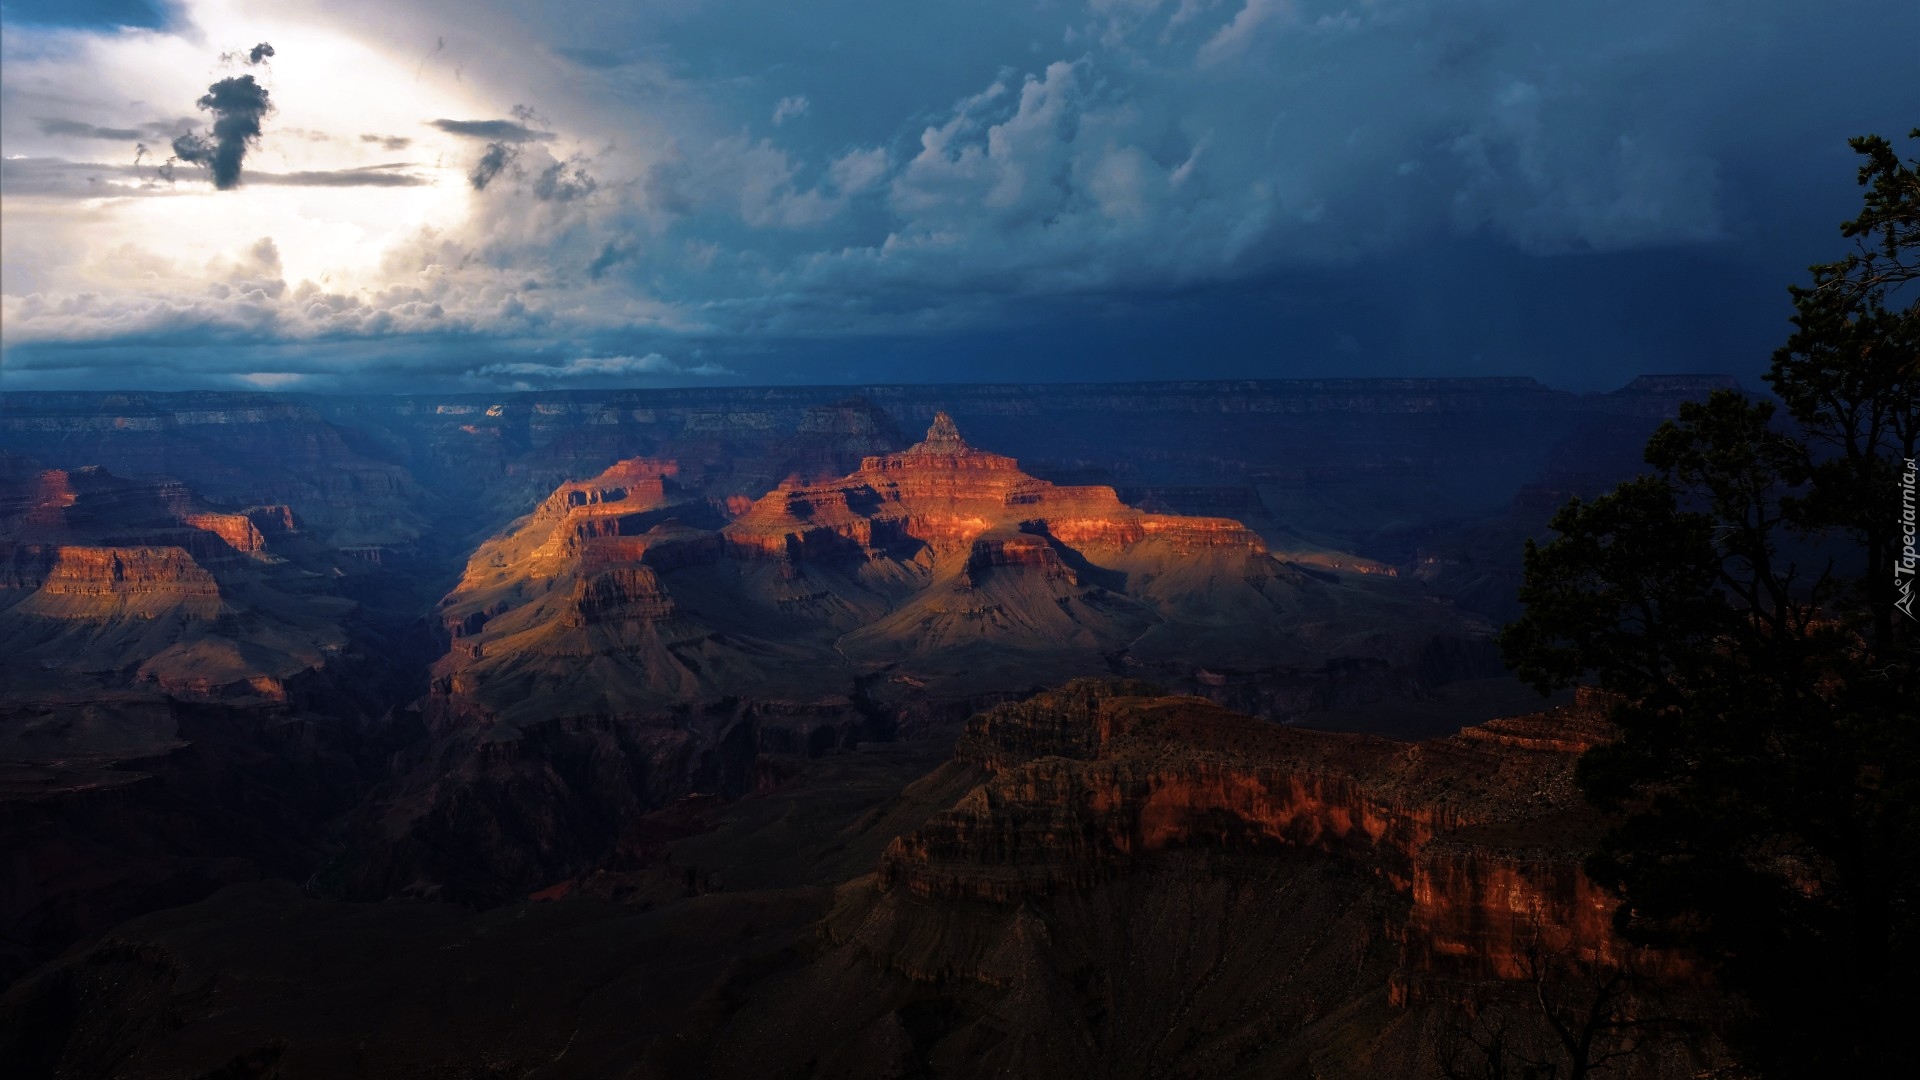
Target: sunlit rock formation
pixel 1481 833
pixel 629 618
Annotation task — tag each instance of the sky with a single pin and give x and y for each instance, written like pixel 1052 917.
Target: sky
pixel 419 195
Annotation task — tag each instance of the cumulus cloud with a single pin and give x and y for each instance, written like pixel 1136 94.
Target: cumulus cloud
pixel 1058 159
pixel 789 108
pixel 858 170
pixel 497 158
pixel 564 181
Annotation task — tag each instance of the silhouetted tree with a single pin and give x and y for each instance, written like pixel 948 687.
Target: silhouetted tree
pixel 1742 602
pixel 1568 1019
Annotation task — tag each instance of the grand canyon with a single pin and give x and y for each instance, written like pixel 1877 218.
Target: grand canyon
pixel 1109 539
pixel 1126 729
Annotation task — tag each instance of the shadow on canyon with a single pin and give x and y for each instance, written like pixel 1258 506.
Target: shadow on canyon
pixel 656 731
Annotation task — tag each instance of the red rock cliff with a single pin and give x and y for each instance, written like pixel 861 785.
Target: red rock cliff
pixel 945 494
pixel 101 582
pixel 1483 832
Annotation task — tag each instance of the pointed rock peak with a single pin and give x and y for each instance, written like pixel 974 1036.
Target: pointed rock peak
pixel 943 437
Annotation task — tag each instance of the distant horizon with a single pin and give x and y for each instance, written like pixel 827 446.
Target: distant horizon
pixel 1203 385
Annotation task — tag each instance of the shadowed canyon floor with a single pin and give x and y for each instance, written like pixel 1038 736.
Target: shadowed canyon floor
pixel 1201 894
pixel 697 666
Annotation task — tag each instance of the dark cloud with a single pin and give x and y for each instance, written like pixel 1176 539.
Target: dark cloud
pixel 193 148
pixel 53 125
pixel 1124 188
pixel 495 131
pixel 498 157
pixel 612 254
pixel 78 129
pixel 57 177
pixel 258 54
pixel 367 176
pixel 564 181
pixel 388 142
pixel 237 105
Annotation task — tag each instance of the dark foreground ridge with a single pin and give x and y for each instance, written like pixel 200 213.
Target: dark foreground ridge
pixel 1057 898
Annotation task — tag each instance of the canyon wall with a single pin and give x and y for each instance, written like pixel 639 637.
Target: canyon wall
pixel 1482 834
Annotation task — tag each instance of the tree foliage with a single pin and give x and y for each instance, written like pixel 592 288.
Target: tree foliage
pixel 1740 604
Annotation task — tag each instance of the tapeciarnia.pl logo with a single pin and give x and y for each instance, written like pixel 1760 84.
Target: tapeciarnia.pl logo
pixel 1903 567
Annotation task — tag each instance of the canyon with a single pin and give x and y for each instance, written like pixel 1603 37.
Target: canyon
pixel 631 642
pixel 1098 880
pixel 744 683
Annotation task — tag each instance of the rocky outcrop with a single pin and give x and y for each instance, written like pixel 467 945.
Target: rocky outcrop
pixel 103 582
pixel 629 592
pixel 110 584
pixel 932 578
pixel 237 531
pixel 1482 833
pixel 598 523
pixel 1014 549
pixel 943 493
pixel 905 565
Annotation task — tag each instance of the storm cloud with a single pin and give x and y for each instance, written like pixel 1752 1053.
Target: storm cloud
pixel 60 178
pixel 62 127
pixel 563 181
pixel 238 104
pixel 77 129
pixel 1088 189
pixel 498 157
pixel 497 131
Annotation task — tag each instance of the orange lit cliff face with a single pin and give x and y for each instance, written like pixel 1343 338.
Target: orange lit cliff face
pixel 906 568
pixel 560 531
pixel 1482 833
pixel 629 619
pixel 945 495
pixel 102 576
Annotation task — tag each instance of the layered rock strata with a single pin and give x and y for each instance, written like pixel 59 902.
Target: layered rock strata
pixel 1482 833
pixel 629 618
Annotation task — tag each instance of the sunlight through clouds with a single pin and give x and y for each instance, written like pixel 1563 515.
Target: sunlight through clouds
pixel 662 179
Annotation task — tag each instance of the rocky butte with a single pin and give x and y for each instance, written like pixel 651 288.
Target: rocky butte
pixel 629 641
pixel 905 572
pixel 102 572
